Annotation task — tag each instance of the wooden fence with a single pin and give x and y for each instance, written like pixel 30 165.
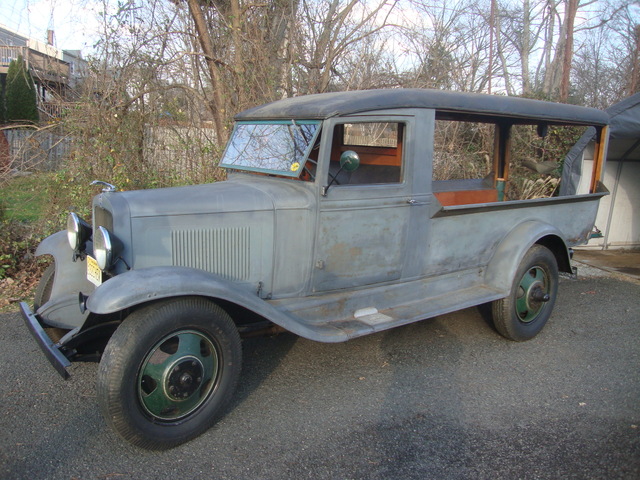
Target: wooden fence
pixel 189 152
pixel 37 150
pixel 185 151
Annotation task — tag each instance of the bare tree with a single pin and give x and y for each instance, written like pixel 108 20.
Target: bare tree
pixel 329 31
pixel 450 46
pixel 520 33
pixel 626 25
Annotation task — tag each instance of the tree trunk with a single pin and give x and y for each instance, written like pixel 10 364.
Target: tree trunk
pixel 567 57
pixel 280 44
pixel 526 47
pixel 634 81
pixel 216 104
pixel 550 66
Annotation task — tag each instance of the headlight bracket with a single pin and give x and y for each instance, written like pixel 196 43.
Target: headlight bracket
pixel 79 232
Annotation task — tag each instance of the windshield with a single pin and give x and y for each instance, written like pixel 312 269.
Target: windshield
pixel 271 147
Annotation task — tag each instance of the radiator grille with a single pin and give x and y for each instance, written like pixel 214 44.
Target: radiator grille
pixel 225 252
pixel 102 218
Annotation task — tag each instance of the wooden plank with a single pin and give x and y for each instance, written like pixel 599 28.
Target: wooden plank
pixel 598 158
pixel 467 197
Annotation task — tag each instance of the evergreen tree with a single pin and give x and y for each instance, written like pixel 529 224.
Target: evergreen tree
pixel 20 94
pixel 3 116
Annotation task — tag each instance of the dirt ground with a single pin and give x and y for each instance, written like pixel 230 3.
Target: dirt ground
pixel 624 262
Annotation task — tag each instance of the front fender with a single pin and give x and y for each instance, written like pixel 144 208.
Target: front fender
pixel 70 278
pixel 514 246
pixel 137 287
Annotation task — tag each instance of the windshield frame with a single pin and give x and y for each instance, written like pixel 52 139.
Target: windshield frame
pixel 290 172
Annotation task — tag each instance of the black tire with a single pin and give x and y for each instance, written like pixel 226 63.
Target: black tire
pixel 523 314
pixel 168 371
pixel 44 288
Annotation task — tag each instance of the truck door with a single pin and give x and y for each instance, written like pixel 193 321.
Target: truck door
pixel 363 215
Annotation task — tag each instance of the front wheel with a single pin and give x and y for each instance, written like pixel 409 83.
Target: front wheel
pixel 168 371
pixel 44 288
pixel 522 314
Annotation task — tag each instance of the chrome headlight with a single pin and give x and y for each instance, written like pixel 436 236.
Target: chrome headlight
pixel 105 248
pixel 78 232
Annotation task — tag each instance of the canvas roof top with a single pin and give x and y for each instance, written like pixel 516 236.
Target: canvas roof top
pixel 625 118
pixel 624 123
pixel 327 105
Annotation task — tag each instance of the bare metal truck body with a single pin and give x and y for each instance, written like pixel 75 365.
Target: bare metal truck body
pixel 331 225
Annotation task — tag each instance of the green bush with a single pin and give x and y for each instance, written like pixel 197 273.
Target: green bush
pixel 3 109
pixel 20 94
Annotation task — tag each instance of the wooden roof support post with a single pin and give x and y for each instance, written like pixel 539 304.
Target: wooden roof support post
pixel 501 157
pixel 599 153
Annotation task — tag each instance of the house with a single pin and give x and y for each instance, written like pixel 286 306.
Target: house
pixel 55 72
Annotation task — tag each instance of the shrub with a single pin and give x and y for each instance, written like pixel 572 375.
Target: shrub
pixel 20 94
pixel 3 110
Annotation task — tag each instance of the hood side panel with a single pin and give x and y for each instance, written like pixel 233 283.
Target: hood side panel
pixel 237 246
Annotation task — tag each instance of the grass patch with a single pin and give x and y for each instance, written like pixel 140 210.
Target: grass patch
pixel 24 203
pixel 25 198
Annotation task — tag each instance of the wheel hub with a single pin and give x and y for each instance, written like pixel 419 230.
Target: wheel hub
pixel 539 295
pixel 184 378
pixel 532 294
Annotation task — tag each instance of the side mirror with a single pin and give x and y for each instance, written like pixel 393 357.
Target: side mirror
pixel 349 161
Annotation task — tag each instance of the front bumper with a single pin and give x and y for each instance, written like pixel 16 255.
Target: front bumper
pixel 50 349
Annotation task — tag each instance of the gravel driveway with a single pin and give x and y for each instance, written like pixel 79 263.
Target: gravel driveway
pixel 446 398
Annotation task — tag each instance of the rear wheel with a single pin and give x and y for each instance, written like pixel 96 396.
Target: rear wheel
pixel 168 371
pixel 522 314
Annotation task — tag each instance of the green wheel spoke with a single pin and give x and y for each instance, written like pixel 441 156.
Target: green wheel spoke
pixel 210 365
pixel 529 279
pixel 190 403
pixel 540 277
pixel 521 306
pixel 157 365
pixel 159 404
pixel 189 344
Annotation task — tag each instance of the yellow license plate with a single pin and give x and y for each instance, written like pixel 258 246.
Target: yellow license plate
pixel 94 274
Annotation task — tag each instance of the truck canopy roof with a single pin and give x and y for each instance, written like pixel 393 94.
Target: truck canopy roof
pixel 490 107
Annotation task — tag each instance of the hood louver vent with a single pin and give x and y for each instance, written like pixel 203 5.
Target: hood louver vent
pixel 225 252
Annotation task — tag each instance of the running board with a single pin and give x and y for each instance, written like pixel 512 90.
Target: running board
pixel 334 317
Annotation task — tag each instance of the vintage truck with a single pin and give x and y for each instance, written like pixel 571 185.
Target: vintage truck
pixel 343 214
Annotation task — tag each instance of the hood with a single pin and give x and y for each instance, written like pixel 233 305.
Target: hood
pixel 195 200
pixel 242 193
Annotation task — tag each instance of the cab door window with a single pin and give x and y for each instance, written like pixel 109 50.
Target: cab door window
pixel 379 147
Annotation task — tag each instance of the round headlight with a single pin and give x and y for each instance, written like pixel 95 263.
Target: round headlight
pixel 78 232
pixel 73 230
pixel 102 248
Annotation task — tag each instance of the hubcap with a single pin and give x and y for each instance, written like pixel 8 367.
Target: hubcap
pixel 533 293
pixel 178 375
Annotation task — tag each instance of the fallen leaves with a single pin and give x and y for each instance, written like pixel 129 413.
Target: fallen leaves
pixel 20 286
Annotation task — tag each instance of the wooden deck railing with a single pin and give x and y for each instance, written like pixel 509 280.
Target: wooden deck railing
pixel 41 65
pixel 12 53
